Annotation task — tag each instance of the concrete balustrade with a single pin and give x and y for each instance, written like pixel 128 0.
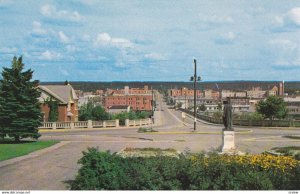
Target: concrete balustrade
pixel 94 124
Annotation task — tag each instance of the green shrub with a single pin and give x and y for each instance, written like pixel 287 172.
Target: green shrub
pixel 106 171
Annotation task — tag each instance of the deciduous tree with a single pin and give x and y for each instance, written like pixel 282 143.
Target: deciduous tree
pixel 272 107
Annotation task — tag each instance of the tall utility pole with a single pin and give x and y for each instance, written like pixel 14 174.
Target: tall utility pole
pixel 152 101
pixel 195 80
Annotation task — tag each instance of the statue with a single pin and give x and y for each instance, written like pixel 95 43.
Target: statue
pixel 227 115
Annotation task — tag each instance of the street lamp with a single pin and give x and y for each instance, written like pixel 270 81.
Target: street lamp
pixel 195 79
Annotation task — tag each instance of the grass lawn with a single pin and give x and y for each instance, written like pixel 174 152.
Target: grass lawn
pixel 10 149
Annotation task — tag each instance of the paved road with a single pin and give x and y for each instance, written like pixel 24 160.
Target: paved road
pixel 51 170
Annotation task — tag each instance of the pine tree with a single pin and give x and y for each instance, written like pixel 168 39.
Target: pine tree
pixel 20 114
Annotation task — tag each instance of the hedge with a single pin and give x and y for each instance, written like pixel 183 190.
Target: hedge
pixel 106 171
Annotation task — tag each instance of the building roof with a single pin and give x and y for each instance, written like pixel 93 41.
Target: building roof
pixel 62 93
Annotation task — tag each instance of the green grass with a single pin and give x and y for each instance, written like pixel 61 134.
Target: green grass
pixel 9 149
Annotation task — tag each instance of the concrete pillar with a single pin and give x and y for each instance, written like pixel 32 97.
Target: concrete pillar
pixel 133 122
pixel 127 122
pixel 104 124
pixel 140 122
pixel 228 143
pixel 90 124
pixel 117 123
pixel 54 125
pixel 72 125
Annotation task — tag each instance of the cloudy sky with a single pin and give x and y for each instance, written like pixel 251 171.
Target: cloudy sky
pixel 153 40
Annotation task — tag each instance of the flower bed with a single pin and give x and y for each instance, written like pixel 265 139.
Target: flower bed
pixel 148 152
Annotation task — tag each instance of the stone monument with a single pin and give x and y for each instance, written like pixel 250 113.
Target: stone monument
pixel 228 145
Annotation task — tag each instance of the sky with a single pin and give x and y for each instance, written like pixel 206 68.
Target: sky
pixel 153 40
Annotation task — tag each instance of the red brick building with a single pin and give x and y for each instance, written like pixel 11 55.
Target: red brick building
pixel 66 98
pixel 127 91
pixel 136 102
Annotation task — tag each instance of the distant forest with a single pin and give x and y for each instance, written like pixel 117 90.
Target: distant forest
pixel 217 85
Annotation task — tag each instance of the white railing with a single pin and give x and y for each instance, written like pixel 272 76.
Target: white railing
pixel 81 124
pixel 94 124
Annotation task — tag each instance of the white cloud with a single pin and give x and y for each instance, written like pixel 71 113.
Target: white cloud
pixel 154 56
pixel 50 55
pixel 63 38
pixel 51 11
pixel 8 50
pixel 104 39
pixel 283 44
pixel 287 21
pixel 37 28
pixel 226 38
pixel 294 16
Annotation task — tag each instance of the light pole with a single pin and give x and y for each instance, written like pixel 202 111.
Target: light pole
pixel 195 79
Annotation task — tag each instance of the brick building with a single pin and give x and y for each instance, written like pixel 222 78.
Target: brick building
pixel 184 92
pixel 127 91
pixel 136 102
pixel 67 101
pixel 211 94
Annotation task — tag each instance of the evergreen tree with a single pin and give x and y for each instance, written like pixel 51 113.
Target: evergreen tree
pixel 53 112
pixel 20 114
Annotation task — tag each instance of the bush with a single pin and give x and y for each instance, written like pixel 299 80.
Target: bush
pixel 103 170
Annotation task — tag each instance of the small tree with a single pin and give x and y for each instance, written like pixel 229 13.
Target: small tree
pixel 272 107
pixel 179 105
pixel 20 114
pixel 202 107
pixel 91 112
pixel 53 112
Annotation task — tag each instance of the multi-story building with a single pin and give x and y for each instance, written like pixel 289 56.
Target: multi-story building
pixel 293 106
pixel 139 99
pixel 256 92
pixel 184 92
pixel 127 91
pixel 66 99
pixel 231 94
pixel 240 104
pixel 227 93
pixel 136 102
pixel 211 94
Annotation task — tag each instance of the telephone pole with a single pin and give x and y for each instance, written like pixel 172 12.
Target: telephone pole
pixel 195 79
pixel 195 96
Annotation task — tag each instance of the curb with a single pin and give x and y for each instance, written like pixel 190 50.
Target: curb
pixel 33 154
